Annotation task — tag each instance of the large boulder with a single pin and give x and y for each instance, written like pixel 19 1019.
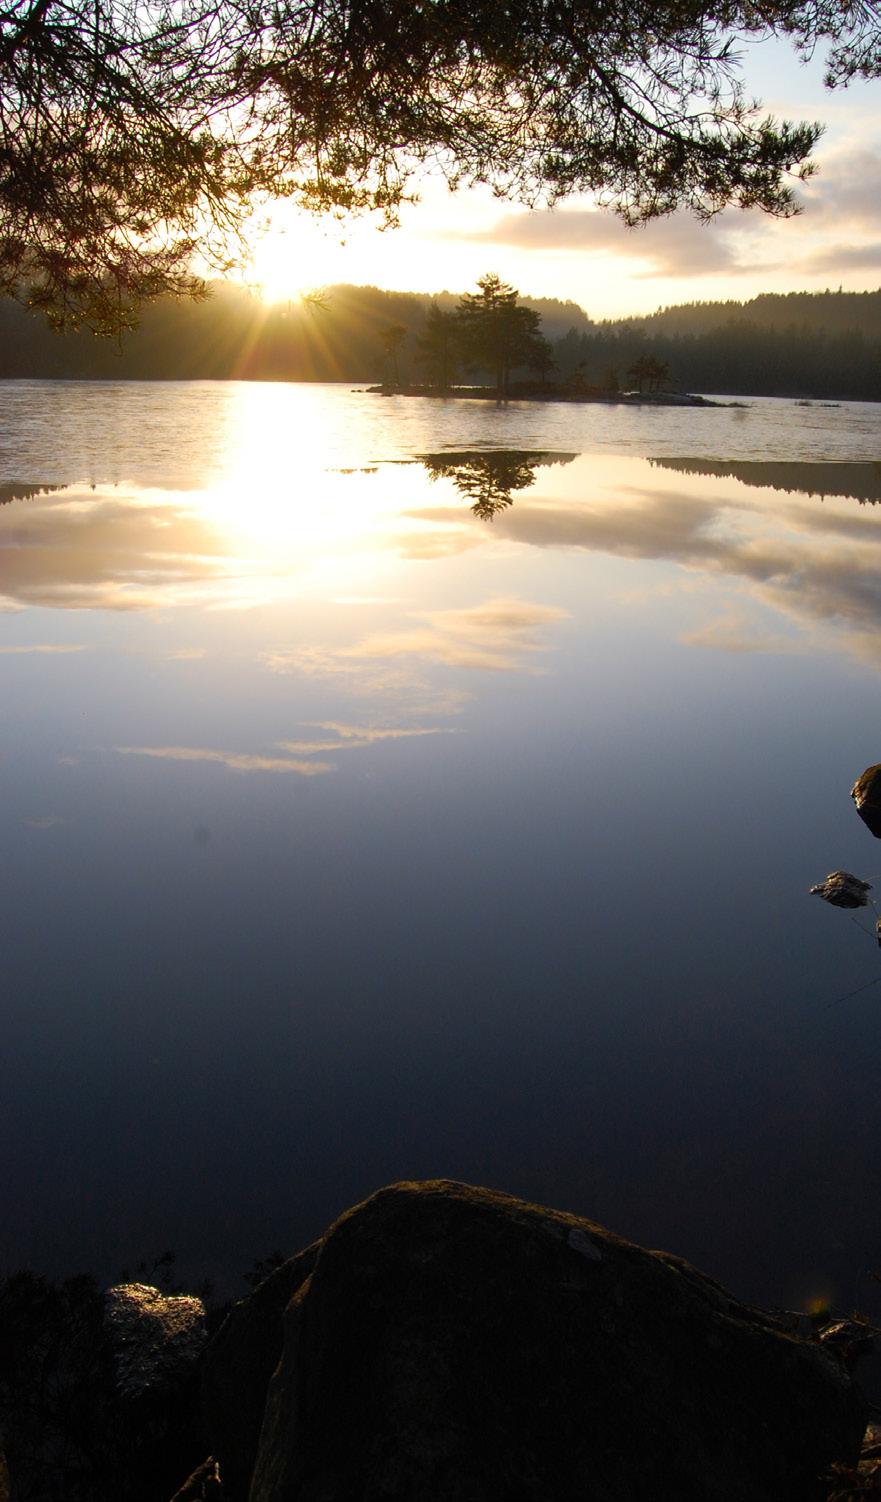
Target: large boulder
pixel 238 1365
pixel 452 1343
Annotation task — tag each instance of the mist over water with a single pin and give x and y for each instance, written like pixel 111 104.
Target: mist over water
pixel 399 788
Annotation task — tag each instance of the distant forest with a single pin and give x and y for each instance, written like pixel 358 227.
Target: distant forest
pixel 814 345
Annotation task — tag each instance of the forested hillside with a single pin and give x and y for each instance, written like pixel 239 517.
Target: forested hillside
pixel 821 344
pixel 825 345
pixel 831 312
pixel 232 334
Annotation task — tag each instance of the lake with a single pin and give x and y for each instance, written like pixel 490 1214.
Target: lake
pixel 396 788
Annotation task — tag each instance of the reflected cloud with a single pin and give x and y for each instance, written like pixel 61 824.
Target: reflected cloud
pixel 344 738
pixel 84 551
pixel 819 565
pixel 237 761
pixel 43 649
pixel 493 637
pixel 48 821
pixel 358 737
pixel 402 690
pixel 803 566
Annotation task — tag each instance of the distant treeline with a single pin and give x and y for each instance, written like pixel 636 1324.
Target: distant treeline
pixel 232 334
pixel 821 345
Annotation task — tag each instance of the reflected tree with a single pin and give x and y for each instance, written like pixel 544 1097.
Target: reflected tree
pixel 858 480
pixel 488 479
pixel 10 493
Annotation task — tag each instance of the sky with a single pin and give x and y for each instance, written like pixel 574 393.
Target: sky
pixel 577 252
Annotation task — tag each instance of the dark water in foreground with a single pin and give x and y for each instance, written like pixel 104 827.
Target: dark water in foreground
pixel 369 816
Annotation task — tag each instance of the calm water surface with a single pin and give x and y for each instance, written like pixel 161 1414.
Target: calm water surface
pixel 379 802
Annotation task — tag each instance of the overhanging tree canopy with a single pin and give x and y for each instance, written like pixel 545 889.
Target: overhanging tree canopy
pixel 134 131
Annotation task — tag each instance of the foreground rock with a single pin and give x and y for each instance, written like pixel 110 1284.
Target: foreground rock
pixel 842 890
pixel 444 1343
pixel 240 1361
pixel 156 1338
pixel 866 794
pixel 99 1394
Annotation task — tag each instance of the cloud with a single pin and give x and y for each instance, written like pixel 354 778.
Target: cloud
pixel 736 633
pixel 846 192
pixel 48 649
pixel 835 258
pixel 236 761
pixel 48 821
pixel 844 201
pixel 364 600
pixel 678 245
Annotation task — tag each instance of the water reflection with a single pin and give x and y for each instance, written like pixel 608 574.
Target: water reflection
pixel 10 493
pixel 858 481
pixel 337 888
pixel 302 758
pixel 238 545
pixel 488 479
pixel 79 549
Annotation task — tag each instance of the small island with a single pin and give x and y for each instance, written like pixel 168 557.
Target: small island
pixel 490 333
pixel 534 391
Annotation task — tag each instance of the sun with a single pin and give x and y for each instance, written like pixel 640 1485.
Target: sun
pixel 297 254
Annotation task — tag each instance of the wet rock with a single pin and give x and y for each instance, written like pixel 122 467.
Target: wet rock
pixel 861 1481
pixel 155 1342
pixel 156 1339
pixel 238 1365
pixel 842 890
pixel 457 1345
pixel 72 1434
pixel 866 794
pixel 203 1486
pixel 852 1338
